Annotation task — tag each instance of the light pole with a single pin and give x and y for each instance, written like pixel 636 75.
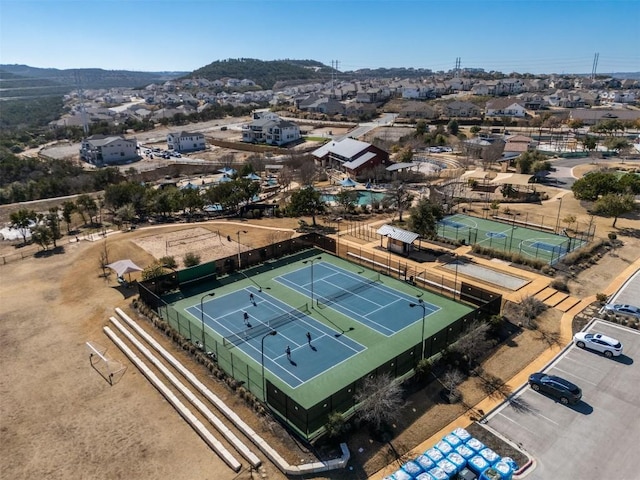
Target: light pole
pixel 424 314
pixel 455 280
pixel 558 218
pixel 238 233
pixel 204 347
pixel 311 262
pixel 264 382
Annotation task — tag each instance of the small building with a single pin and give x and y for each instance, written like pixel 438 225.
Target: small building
pixel 398 240
pixel 186 142
pixel 108 149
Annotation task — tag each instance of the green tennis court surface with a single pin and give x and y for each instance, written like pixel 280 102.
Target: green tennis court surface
pixel 508 237
pixel 359 322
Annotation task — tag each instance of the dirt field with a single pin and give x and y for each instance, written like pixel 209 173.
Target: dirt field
pixel 59 419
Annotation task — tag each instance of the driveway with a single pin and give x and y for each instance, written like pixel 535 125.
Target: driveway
pixel 596 438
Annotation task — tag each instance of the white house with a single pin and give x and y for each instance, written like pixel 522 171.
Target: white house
pixel 505 107
pixel 186 142
pixel 106 150
pixel 269 128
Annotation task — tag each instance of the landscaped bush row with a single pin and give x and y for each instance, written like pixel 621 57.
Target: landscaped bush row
pixel 509 256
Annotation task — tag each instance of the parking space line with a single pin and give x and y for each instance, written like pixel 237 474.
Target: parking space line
pixel 518 424
pixel 581 362
pixel 575 376
pixel 615 325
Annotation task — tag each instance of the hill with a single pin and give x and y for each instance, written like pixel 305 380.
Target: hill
pixel 20 81
pixel 265 73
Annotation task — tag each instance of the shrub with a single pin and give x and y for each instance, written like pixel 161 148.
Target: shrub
pixel 191 259
pixel 560 284
pixel 168 261
pixel 601 297
pixel 612 236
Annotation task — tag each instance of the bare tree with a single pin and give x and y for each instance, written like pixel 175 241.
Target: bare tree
pixel 475 344
pixel 307 173
pixel 492 153
pixel 399 197
pixel 526 311
pixel 450 380
pixel 285 177
pixel 380 400
pixel 103 259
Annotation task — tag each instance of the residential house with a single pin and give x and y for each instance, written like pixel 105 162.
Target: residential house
pixel 186 141
pixel 505 107
pixel 461 109
pixel 356 109
pixel 108 149
pixel 418 110
pixel 269 128
pixel 320 104
pixel 351 156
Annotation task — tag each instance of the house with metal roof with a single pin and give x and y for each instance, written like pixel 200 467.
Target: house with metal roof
pixel 350 156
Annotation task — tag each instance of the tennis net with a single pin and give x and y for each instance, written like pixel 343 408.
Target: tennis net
pixel 262 328
pixel 357 286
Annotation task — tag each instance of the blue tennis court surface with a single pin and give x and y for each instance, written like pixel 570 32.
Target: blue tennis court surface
pixel 327 348
pixel 548 247
pixel 366 300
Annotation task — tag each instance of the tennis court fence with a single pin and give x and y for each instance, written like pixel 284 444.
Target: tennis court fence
pixel 263 328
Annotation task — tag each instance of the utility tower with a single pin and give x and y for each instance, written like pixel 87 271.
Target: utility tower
pixel 596 57
pixel 456 70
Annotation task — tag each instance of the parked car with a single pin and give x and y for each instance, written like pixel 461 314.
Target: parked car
pixel 608 346
pixel 623 309
pixel 564 390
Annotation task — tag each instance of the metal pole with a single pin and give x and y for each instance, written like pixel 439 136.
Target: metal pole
pixel 264 382
pixel 455 280
pixel 424 314
pixel 238 233
pixel 204 347
pixel 311 262
pixel 558 219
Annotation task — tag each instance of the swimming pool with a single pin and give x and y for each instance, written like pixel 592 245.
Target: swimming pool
pixel 364 198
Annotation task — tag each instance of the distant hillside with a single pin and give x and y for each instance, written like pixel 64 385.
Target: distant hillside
pixel 26 81
pixel 264 73
pixel 391 72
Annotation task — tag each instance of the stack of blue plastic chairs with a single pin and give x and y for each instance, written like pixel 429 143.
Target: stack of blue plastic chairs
pixel 451 455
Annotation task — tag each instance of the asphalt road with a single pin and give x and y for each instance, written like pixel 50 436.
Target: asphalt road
pixel 563 177
pixel 596 438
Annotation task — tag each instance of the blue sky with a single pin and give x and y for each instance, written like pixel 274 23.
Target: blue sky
pixel 548 36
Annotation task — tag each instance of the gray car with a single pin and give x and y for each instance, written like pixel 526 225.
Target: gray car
pixel 563 390
pixel 623 309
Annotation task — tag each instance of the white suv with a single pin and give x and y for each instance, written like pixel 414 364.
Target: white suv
pixel 609 347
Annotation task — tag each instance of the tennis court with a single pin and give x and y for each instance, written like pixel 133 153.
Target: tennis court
pixel 265 314
pixel 364 299
pixel 508 237
pixel 359 322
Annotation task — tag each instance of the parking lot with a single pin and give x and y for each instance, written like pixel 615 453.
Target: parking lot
pixel 599 437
